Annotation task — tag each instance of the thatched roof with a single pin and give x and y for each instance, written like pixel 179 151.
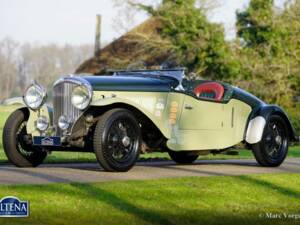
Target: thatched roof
pixel 142 44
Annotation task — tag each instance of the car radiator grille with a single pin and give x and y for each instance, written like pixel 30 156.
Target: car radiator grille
pixel 62 105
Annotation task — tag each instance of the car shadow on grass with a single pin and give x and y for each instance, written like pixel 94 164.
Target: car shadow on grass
pixel 269 185
pixel 147 215
pixel 89 192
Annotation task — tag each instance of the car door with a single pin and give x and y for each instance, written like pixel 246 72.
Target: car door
pixel 199 114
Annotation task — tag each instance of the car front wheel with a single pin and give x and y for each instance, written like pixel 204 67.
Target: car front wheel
pixel 19 152
pixel 117 140
pixel 273 147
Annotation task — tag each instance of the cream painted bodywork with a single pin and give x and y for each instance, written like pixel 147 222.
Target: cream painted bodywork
pixel 34 115
pixel 152 104
pixel 188 123
pixel 45 111
pixel 210 125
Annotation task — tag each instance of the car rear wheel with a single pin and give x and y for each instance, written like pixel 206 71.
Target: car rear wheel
pixel 183 157
pixel 273 147
pixel 117 140
pixel 17 151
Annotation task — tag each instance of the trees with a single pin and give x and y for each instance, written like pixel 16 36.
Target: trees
pixel 45 63
pixel 8 70
pixel 127 14
pixel 264 59
pixel 22 63
pixel 269 51
pixel 255 25
pixel 195 43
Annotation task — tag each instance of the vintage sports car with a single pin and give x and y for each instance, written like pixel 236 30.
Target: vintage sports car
pixel 128 112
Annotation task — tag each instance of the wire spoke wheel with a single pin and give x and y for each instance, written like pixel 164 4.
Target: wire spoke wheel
pixel 22 147
pixel 121 140
pixel 273 147
pixel 274 138
pixel 117 140
pixel 17 150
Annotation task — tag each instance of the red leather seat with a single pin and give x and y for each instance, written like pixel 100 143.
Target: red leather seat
pixel 210 88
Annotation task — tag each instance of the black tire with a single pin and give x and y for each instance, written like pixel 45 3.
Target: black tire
pixel 117 140
pixel 19 153
pixel 183 157
pixel 273 147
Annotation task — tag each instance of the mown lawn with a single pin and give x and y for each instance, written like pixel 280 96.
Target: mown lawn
pixel 195 200
pixel 65 157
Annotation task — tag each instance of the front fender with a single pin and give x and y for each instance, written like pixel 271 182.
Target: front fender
pixel 17 102
pixel 45 110
pixel 258 120
pixel 145 103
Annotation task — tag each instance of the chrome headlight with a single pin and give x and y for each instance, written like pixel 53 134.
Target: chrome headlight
pixel 81 97
pixel 42 123
pixel 63 122
pixel 35 96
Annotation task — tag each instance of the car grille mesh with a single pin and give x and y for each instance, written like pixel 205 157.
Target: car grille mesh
pixel 62 105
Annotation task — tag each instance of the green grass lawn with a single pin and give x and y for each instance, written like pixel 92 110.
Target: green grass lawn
pixel 193 200
pixel 57 157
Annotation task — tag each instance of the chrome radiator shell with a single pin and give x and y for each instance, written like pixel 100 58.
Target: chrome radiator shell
pixel 62 105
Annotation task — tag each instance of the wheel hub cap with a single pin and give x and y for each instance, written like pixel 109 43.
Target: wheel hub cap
pixel 278 140
pixel 126 141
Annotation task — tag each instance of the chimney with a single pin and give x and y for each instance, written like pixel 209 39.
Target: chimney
pixel 98 35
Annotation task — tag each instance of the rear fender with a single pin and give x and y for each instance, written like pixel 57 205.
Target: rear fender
pixel 258 120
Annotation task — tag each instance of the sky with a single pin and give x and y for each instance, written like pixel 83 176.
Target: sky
pixel 73 21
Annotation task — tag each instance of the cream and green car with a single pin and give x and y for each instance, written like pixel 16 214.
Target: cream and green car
pixel 121 115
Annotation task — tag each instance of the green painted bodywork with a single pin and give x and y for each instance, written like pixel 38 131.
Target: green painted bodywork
pixel 129 83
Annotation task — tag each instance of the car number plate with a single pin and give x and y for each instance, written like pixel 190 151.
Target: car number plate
pixel 47 141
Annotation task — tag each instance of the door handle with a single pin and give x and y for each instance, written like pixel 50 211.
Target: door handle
pixel 189 107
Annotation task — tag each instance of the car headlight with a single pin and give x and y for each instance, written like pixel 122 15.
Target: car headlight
pixel 81 97
pixel 63 122
pixel 35 96
pixel 42 123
